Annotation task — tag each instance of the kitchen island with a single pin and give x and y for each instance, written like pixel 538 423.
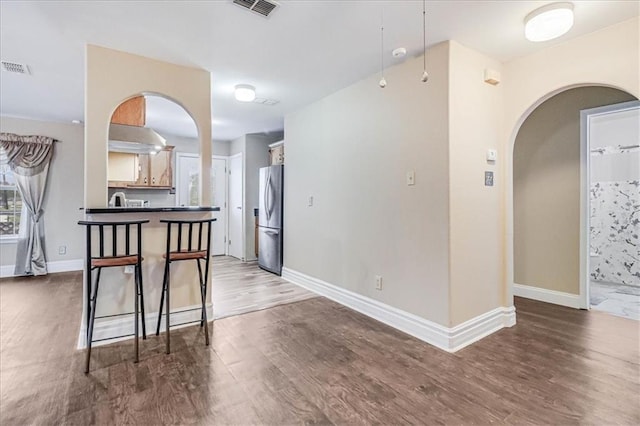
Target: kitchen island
pixel 116 297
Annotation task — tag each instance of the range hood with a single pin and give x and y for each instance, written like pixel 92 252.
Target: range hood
pixel 134 139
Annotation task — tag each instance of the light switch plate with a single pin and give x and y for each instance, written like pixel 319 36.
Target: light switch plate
pixel 488 178
pixel 492 155
pixel 310 201
pixel 411 177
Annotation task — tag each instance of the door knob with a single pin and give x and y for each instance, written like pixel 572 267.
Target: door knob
pixel 239 208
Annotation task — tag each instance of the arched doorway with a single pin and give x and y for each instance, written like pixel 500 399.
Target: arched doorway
pixel 546 182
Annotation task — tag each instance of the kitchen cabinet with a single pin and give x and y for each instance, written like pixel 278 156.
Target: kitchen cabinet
pixel 152 171
pixel 123 169
pixel 155 170
pixel 276 153
pixel 161 168
pixel 131 112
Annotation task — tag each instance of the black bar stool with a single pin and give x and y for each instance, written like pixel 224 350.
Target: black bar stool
pixel 117 258
pixel 193 251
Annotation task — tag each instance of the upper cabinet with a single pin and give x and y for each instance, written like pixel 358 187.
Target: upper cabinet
pixel 131 112
pixel 123 168
pixel 276 153
pixel 151 171
pixel 161 168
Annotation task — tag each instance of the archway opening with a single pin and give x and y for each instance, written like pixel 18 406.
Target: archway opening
pixel 546 195
pixel 147 133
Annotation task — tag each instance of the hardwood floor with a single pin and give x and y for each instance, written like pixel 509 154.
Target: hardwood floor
pixel 312 361
pixel 241 287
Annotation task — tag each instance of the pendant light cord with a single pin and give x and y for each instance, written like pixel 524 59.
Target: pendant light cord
pixel 424 35
pixel 382 43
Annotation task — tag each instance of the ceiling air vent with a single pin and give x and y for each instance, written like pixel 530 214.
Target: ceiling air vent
pixel 15 67
pixel 261 7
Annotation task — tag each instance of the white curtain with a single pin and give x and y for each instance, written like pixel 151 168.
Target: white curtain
pixel 29 158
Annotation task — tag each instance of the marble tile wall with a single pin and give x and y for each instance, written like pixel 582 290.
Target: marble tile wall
pixel 615 229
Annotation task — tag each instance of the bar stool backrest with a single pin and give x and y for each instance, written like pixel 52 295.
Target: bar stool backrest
pixel 109 237
pixel 189 235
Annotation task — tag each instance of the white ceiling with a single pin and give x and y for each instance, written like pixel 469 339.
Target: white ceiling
pixel 303 52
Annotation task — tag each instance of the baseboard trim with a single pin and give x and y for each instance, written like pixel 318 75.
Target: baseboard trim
pixel 52 267
pixel 107 328
pixel 548 296
pixel 450 339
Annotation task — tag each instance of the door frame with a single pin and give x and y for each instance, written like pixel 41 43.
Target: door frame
pixel 242 204
pixel 585 192
pixel 226 198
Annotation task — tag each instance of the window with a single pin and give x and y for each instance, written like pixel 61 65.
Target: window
pixel 10 204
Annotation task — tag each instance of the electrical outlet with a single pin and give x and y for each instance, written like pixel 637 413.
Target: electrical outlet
pixel 62 250
pixel 378 282
pixel 129 269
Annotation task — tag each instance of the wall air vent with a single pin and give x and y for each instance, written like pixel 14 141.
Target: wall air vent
pixel 261 7
pixel 15 67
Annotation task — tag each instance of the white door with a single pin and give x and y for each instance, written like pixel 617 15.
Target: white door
pixel 219 199
pixel 187 179
pixel 236 239
pixel 187 187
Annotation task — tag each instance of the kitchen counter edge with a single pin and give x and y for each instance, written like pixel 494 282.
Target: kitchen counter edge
pixel 149 209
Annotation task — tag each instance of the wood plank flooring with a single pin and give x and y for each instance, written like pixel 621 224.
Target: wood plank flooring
pixel 312 362
pixel 241 287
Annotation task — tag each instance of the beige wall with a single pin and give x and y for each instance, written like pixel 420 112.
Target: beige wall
pixel 351 151
pixel 475 219
pixel 112 77
pixel 546 189
pixel 609 57
pixel 63 198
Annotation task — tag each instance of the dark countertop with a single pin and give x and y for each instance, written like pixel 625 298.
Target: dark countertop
pixel 150 209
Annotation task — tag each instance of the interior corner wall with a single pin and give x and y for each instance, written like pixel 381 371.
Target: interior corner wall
pixel 111 77
pixel 546 189
pixel 476 243
pixel 351 152
pixel 63 198
pixel 608 57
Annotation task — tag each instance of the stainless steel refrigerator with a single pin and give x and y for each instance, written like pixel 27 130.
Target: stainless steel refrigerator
pixel 270 218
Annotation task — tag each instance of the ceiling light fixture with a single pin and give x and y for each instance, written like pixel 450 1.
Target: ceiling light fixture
pixel 245 93
pixel 548 22
pixel 425 74
pixel 383 82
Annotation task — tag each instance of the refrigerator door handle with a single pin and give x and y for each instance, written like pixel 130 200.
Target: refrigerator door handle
pixel 266 197
pixel 271 232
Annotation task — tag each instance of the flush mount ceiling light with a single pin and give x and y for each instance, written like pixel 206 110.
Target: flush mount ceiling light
pixel 548 22
pixel 245 93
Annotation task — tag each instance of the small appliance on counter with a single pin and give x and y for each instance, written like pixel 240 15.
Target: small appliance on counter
pixel 118 200
pixel 137 203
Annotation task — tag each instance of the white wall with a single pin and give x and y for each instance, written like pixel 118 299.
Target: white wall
pixel 63 198
pixel 351 151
